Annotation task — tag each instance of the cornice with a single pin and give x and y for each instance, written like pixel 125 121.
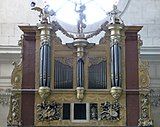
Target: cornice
pixel 150 50
pixel 11 49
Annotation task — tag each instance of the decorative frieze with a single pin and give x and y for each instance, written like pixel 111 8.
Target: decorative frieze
pixel 110 111
pixel 145 117
pixel 14 116
pixel 48 111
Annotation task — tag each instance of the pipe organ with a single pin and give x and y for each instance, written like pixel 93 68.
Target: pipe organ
pixel 79 83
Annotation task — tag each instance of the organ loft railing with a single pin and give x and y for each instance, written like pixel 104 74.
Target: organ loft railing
pixel 79 83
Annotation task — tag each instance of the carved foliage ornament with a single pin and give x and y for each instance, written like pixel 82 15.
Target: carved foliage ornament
pixel 145 120
pixel 96 60
pixel 110 111
pixel 14 117
pixel 144 79
pixel 16 78
pixel 65 60
pixel 48 111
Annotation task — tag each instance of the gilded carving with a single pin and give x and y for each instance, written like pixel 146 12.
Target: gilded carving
pixel 144 79
pixel 110 111
pixel 96 60
pixel 100 113
pixel 16 76
pixel 91 97
pixel 93 111
pixel 14 117
pixel 144 82
pixel 145 118
pixel 48 111
pixel 65 60
pixel 116 92
pixel 44 92
pixel 80 93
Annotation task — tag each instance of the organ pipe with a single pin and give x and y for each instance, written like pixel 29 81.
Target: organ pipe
pixel 80 72
pixel 45 54
pixel 116 65
pixel 45 65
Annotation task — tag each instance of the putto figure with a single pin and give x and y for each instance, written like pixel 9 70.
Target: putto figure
pixel 45 12
pixel 82 17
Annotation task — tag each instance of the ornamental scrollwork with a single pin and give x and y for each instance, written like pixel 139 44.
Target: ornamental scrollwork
pixel 14 117
pixel 144 79
pixel 48 111
pixel 96 60
pixel 110 111
pixel 93 111
pixel 65 60
pixel 140 43
pixel 16 77
pixel 145 119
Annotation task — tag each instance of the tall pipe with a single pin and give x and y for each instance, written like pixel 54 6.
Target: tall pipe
pixel 45 54
pixel 115 28
pixel 116 65
pixel 45 65
pixel 80 72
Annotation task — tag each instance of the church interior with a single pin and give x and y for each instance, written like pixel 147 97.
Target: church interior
pixel 84 63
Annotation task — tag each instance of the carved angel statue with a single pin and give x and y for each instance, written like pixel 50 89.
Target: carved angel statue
pixel 81 25
pixel 115 15
pixel 45 13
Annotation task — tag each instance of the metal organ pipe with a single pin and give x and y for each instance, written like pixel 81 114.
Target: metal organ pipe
pixel 80 72
pixel 45 65
pixel 116 65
